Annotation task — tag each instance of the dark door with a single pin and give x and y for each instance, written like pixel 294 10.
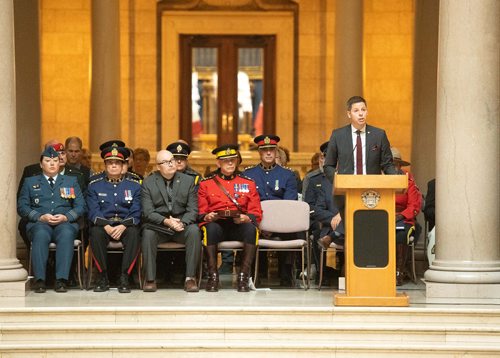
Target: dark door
pixel 227 89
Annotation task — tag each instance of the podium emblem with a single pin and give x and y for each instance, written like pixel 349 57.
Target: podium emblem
pixel 370 198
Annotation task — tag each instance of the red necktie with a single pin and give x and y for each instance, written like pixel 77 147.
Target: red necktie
pixel 359 154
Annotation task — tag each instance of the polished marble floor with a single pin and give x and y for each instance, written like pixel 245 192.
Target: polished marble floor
pixel 273 296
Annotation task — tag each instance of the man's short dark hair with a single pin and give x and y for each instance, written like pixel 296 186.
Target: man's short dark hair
pixel 355 99
pixel 73 139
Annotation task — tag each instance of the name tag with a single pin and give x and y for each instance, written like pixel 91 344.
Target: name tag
pixel 102 194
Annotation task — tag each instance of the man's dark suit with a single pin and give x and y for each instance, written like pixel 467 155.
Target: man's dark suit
pixel 340 150
pixel 184 206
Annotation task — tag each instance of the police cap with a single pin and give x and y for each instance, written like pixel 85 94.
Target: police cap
pixel 117 153
pixel 179 149
pixel 226 151
pixel 267 141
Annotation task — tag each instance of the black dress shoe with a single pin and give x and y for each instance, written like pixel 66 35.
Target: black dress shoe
pixel 60 286
pixel 39 286
pixel 124 286
pixel 102 284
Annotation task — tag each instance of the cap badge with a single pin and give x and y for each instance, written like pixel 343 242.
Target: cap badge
pixel 114 152
pixel 179 148
pixel 267 140
pixel 228 151
pixel 114 145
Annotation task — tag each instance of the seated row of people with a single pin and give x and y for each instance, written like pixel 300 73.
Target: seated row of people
pixel 167 204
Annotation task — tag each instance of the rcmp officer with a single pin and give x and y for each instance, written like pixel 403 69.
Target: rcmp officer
pixel 274 182
pixel 181 152
pixel 229 209
pixel 114 202
pixel 51 203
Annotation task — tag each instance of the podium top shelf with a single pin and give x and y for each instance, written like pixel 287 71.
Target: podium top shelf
pixel 395 182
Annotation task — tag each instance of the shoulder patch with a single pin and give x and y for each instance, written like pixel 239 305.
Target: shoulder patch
pixel 133 179
pixel 245 177
pixel 207 178
pixel 95 179
pixel 290 169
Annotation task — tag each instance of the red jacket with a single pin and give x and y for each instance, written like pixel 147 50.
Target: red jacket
pixel 409 203
pixel 212 198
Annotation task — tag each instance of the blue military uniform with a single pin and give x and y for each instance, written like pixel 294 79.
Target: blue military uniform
pixel 273 183
pixel 36 198
pixel 114 202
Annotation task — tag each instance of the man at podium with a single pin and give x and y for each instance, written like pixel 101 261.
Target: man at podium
pixel 358 148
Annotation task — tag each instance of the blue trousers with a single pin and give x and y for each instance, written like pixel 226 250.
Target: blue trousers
pixel 41 235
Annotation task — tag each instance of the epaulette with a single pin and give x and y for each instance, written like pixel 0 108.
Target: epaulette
pixel 245 177
pixel 290 169
pixel 207 178
pixel 250 167
pixel 133 179
pixel 95 178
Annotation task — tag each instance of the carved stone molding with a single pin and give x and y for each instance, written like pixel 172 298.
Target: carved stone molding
pixel 231 5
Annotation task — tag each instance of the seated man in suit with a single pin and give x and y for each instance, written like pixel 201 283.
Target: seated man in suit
pixel 114 202
pixel 170 209
pixel 51 204
pixel 324 212
pixel 229 209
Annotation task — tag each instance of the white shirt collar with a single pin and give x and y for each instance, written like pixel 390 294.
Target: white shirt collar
pixel 363 130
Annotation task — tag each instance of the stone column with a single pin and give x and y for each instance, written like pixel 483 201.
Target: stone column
pixel 12 274
pixel 105 87
pixel 467 265
pixel 423 161
pixel 348 56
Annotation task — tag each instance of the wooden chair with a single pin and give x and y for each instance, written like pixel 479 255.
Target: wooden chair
pixel 283 217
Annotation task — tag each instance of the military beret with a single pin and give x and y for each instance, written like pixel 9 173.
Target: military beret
pixel 59 147
pixel 267 141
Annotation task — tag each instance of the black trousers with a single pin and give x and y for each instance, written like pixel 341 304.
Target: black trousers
pixel 99 240
pixel 227 230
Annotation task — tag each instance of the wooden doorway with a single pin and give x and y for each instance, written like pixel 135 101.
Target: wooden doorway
pixel 227 89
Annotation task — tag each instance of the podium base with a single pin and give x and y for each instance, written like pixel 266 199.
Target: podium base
pixel 400 300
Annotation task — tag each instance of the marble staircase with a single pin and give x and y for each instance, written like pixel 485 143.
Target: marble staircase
pixel 248 331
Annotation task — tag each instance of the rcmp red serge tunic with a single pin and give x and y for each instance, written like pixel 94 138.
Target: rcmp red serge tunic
pixel 242 189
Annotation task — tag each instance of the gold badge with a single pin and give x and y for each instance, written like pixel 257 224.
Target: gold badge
pixel 179 148
pixel 267 140
pixel 114 152
pixel 370 198
pixel 228 151
pixel 114 145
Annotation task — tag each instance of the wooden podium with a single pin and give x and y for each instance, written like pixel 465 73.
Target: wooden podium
pixel 370 239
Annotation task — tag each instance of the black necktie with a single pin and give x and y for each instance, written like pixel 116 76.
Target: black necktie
pixel 359 154
pixel 51 182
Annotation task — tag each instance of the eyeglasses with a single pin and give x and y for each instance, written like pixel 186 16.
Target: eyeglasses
pixel 169 163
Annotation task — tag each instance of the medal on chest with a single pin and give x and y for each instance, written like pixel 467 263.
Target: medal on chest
pixel 128 195
pixel 67 193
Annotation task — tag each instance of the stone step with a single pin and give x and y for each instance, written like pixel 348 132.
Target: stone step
pixel 246 348
pixel 295 332
pixel 211 314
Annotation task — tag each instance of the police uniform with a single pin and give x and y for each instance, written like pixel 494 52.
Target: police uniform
pixel 114 202
pixel 273 182
pixel 238 196
pixel 181 150
pixel 36 198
